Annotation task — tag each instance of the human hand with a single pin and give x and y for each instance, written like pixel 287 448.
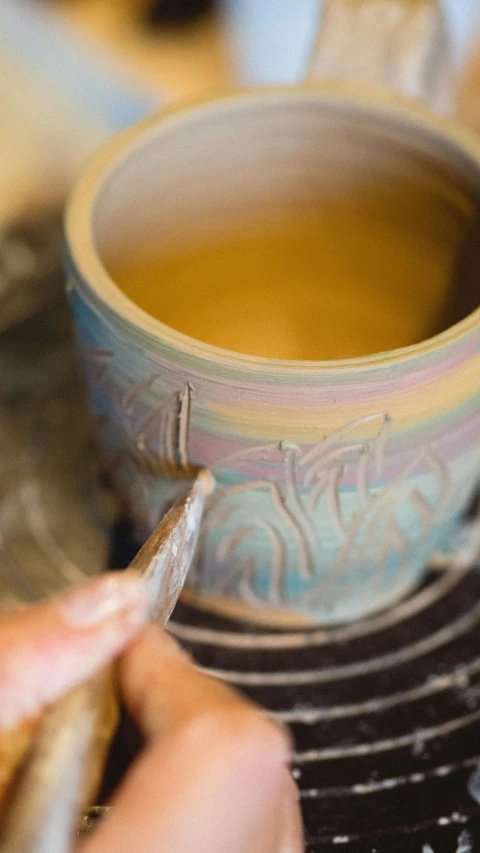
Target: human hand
pixel 213 776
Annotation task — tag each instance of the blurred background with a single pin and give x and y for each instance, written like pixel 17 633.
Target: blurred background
pixel 75 71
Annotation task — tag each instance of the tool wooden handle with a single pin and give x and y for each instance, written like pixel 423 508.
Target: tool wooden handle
pixel 64 768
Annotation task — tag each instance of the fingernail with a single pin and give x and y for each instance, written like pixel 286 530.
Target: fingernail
pixel 103 598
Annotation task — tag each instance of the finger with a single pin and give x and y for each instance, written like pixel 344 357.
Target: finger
pixel 213 771
pixel 291 838
pixel 268 834
pixel 49 648
pixel 283 832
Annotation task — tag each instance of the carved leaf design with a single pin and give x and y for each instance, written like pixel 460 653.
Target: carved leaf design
pixel 157 435
pixel 372 538
pixel 365 529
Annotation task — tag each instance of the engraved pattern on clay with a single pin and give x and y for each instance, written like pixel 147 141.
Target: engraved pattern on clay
pixel 303 485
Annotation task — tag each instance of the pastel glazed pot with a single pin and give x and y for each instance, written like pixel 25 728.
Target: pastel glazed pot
pixel 336 480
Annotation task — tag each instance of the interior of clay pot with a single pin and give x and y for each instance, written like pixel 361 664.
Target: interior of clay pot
pixel 246 161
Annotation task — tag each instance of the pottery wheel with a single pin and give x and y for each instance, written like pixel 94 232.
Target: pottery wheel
pixel 385 716
pixel 385 713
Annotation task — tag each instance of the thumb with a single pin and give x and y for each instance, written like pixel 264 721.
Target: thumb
pixel 47 649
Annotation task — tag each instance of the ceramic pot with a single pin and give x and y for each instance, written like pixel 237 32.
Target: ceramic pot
pixel 338 479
